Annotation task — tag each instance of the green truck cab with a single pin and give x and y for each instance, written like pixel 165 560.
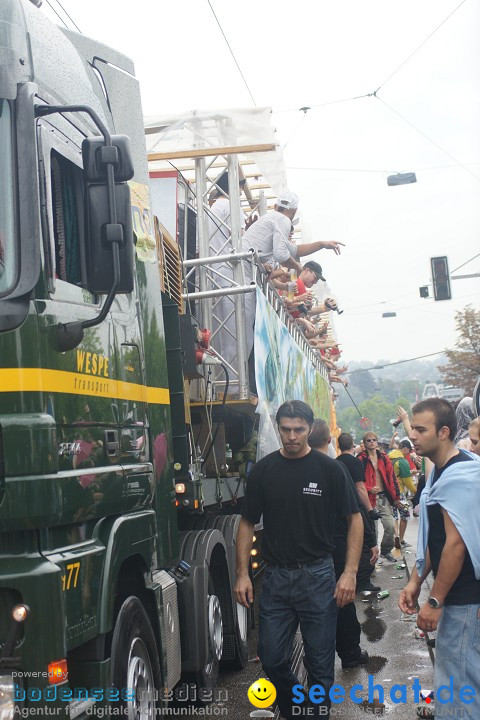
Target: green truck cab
pixel 103 599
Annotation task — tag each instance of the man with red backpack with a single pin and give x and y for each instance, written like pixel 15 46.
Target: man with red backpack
pixel 382 489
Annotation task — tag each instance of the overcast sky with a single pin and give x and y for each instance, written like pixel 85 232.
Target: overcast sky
pixel 425 118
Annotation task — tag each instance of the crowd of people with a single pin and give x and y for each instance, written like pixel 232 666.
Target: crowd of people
pixel 271 236
pixel 322 518
pixel 329 520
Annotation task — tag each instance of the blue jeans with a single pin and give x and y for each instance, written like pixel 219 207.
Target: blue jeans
pixel 290 597
pixel 457 656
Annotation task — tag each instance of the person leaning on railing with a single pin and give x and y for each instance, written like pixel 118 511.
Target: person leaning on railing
pixel 278 276
pixel 270 237
pixel 320 331
pixel 323 344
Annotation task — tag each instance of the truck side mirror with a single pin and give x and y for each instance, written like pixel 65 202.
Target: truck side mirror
pixel 96 156
pixel 101 233
pixel 109 236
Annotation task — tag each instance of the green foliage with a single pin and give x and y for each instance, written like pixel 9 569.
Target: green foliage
pixel 463 366
pixel 378 410
pixel 362 383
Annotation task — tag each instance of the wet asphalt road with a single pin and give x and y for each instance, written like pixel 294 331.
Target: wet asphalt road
pixel 396 656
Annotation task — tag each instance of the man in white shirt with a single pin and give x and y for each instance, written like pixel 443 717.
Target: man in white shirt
pixel 269 236
pixel 219 219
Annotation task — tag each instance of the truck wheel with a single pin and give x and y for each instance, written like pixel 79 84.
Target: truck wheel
pixel 207 677
pixel 241 636
pixel 135 663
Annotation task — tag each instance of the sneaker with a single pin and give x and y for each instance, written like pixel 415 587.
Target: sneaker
pixel 397 543
pixel 404 544
pixel 360 659
pixel 389 557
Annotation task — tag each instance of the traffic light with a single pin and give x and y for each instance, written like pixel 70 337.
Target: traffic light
pixel 441 278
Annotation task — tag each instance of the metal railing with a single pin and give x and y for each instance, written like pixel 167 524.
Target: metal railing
pixel 214 283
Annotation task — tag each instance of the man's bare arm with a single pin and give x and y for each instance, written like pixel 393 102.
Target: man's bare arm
pixel 354 542
pixel 293 264
pixel 407 602
pixel 403 415
pixel 309 248
pixel 363 494
pixel 317 310
pixel 243 587
pixel 345 590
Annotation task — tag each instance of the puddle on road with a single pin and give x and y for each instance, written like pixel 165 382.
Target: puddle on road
pixel 373 627
pixel 376 663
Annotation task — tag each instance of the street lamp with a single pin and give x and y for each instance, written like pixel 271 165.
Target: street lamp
pixel 402 179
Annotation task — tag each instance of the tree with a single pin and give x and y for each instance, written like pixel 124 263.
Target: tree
pixel 363 382
pixel 379 412
pixel 463 366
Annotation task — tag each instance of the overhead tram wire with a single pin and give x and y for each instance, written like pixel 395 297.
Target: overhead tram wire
pixel 56 13
pixel 375 93
pixel 69 17
pixel 398 362
pixel 379 302
pixel 420 46
pixel 439 147
pixel 324 104
pixel 232 53
pixel 465 263
pixel 66 13
pixel 365 170
pixel 306 108
pixel 358 170
pixel 431 310
pixel 296 129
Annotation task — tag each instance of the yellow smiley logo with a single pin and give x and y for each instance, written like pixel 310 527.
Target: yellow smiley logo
pixel 262 693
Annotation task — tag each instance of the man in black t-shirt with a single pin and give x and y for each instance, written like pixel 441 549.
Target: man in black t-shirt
pixel 348 628
pixel 371 551
pixel 448 546
pixel 299 492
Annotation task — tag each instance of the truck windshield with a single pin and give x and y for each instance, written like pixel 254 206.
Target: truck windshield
pixel 7 204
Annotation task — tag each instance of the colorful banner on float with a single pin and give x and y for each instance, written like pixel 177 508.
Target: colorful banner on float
pixel 282 371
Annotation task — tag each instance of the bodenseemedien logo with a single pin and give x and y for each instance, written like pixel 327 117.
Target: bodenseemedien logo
pixel 262 695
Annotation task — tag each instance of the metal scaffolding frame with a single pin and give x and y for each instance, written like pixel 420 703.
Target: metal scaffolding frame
pixel 212 285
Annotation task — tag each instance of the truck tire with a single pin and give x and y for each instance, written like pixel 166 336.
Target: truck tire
pixel 243 616
pixel 135 663
pixel 242 620
pixel 241 637
pixel 207 677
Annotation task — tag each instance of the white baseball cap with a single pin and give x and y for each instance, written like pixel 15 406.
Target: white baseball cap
pixel 287 200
